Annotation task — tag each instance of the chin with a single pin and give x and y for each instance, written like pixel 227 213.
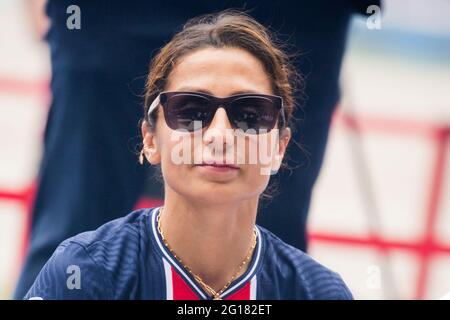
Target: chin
pixel 221 194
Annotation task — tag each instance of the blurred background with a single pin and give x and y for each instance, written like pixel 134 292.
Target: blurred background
pixel 380 214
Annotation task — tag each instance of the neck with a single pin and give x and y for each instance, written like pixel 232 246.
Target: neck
pixel 211 240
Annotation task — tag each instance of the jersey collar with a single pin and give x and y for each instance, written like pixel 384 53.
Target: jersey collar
pixel 187 277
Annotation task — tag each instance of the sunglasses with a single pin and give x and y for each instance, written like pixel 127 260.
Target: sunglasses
pixel 249 112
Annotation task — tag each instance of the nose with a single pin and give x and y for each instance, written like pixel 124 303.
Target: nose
pixel 220 120
pixel 219 129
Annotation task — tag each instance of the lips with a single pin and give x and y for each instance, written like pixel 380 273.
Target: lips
pixel 218 165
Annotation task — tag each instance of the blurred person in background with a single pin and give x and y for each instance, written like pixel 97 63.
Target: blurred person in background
pixel 89 173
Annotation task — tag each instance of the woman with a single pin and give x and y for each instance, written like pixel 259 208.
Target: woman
pixel 218 103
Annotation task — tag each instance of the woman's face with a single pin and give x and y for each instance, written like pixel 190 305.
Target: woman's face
pixel 219 72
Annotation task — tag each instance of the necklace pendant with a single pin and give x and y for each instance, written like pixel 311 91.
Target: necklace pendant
pixel 217 297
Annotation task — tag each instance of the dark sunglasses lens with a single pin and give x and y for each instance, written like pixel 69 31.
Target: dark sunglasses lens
pixel 184 109
pixel 254 114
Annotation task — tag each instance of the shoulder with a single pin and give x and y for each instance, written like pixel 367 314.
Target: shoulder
pixel 113 232
pixel 94 264
pixel 307 278
pixel 114 245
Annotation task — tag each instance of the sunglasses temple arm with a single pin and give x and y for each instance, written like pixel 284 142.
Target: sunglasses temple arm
pixel 153 106
pixel 283 118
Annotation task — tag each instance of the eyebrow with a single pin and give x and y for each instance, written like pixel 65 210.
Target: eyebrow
pixel 194 89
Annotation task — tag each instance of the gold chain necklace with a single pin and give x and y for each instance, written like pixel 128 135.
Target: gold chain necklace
pixel 215 294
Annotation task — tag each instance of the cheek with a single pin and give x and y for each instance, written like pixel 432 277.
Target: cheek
pixel 173 151
pixel 258 156
pixel 262 151
pixel 167 145
pixel 254 179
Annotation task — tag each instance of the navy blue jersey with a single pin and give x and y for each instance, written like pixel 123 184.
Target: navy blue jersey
pixel 126 259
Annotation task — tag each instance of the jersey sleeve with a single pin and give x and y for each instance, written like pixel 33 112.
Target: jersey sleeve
pixel 342 292
pixel 329 286
pixel 70 273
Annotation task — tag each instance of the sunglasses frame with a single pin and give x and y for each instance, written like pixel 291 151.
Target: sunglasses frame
pixel 217 102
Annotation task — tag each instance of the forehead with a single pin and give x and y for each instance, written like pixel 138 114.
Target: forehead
pixel 221 71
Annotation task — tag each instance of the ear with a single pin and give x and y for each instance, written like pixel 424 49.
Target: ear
pixel 151 145
pixel 278 155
